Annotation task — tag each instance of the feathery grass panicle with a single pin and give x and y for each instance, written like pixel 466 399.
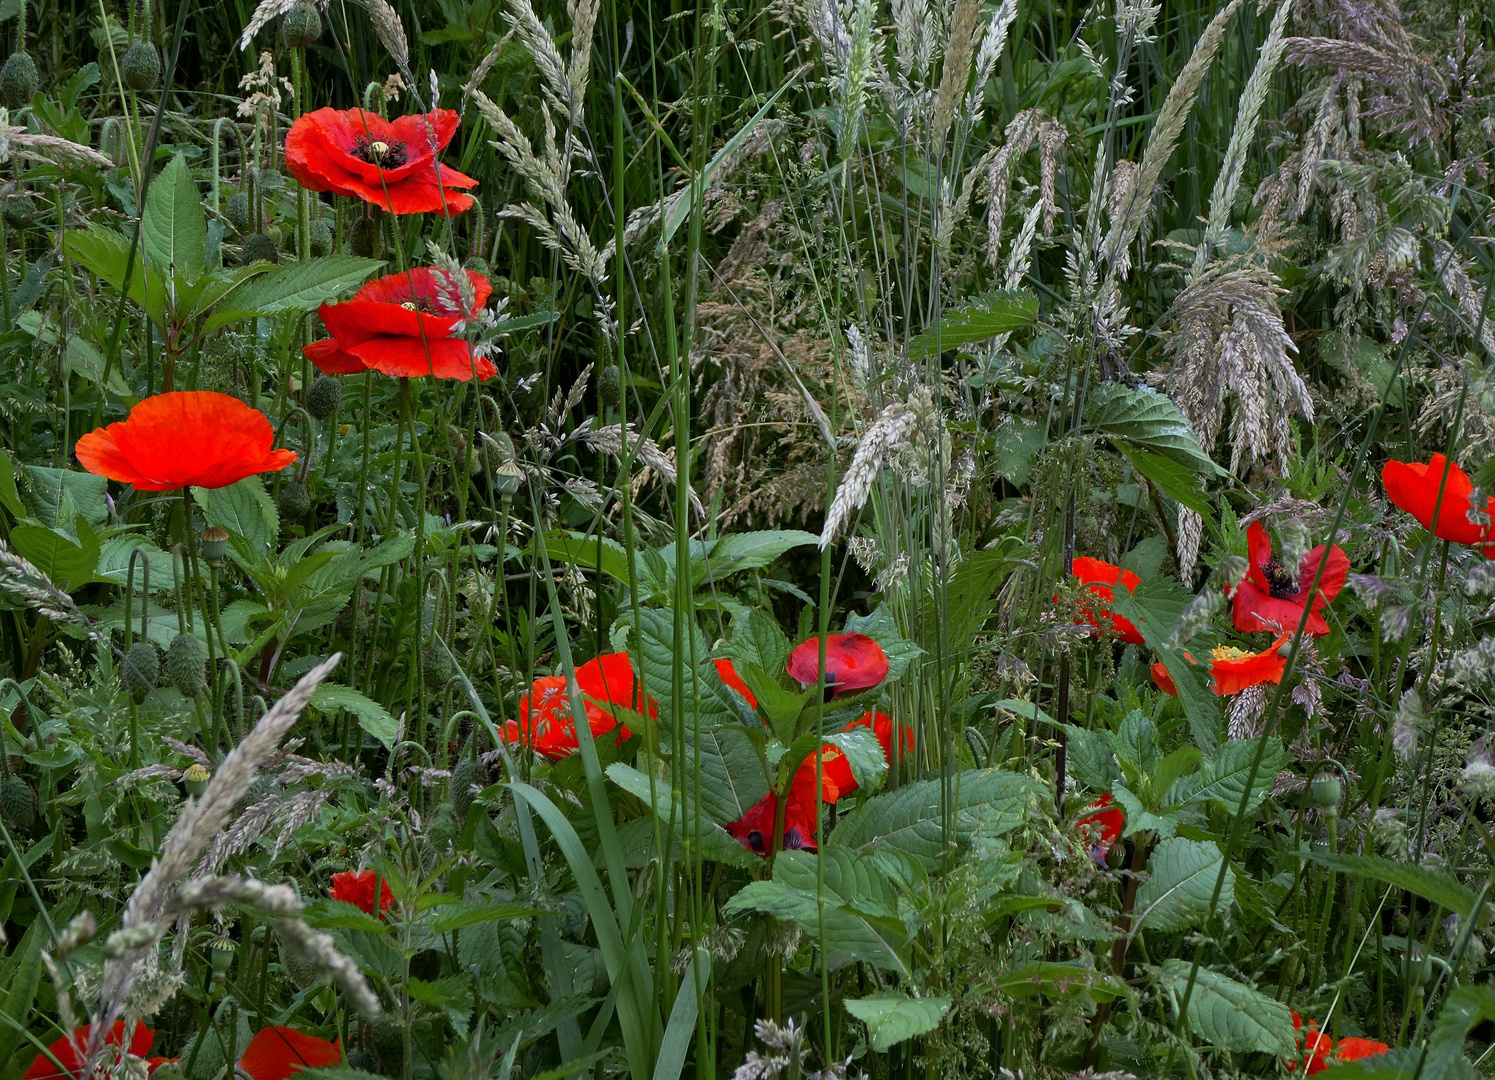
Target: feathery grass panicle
pixel 959 47
pixel 318 949
pixel 891 428
pixel 266 12
pixel 856 77
pixel 390 31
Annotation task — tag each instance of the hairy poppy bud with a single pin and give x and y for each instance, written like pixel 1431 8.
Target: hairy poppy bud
pixel 18 80
pixel 186 664
pixel 258 247
pixel 17 803
pixel 302 25
pixel 365 238
pixel 610 385
pixel 237 211
pixel 325 396
pixel 141 67
pixel 293 502
pixel 319 238
pixel 436 665
pixel 465 777
pixel 141 670
pixel 385 1039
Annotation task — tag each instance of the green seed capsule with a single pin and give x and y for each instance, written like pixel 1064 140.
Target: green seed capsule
pixel 18 80
pixel 141 67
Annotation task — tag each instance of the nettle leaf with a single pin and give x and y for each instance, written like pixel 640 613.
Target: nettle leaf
pixel 1436 886
pixel 892 1017
pixel 713 842
pixel 1057 978
pixel 883 629
pixel 372 717
pixel 1154 607
pixel 174 227
pixel 864 755
pixel 1465 1007
pixel 244 509
pixel 1089 757
pixel 300 286
pixel 1231 1015
pixel 732 554
pixel 1177 894
pixel 1148 421
pixel 980 319
pixel 757 639
pixel 1226 773
pixel 909 820
pixel 1178 481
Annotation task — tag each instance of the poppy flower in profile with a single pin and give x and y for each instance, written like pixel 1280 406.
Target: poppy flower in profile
pixel 63 1050
pixel 278 1053
pixel 852 662
pixel 755 828
pixel 1274 597
pixel 402 325
pixel 1101 579
pixel 390 163
pixel 184 438
pixel 730 677
pixel 1414 487
pixel 1103 821
pixel 1322 1051
pixel 1233 670
pixel 362 889
pixel 545 720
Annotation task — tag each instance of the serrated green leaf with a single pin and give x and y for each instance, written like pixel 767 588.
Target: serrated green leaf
pixel 714 842
pixel 1437 886
pixel 1178 481
pixel 1464 1007
pixel 892 1017
pixel 1230 1015
pixel 1154 607
pixel 1148 421
pixel 461 916
pixel 298 287
pixel 1056 978
pixel 68 563
pixel 1177 894
pixel 980 319
pixel 1225 774
pixel 372 717
pixel 864 754
pixel 244 509
pixel 173 227
pixel 744 551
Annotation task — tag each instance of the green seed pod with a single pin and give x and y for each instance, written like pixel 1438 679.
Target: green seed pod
pixel 141 67
pixel 258 247
pixel 169 1071
pixel 19 208
pixel 385 1039
pixel 195 779
pixel 325 396
pixel 237 211
pixel 302 25
pixel 187 664
pixel 1326 791
pixel 18 80
pixel 17 803
pixel 437 666
pixel 293 502
pixel 142 670
pixel 465 777
pixel 366 238
pixel 443 830
pixel 319 237
pixel 610 385
pixel 297 967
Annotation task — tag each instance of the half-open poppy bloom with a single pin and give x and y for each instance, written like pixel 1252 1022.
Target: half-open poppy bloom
pixel 278 1053
pixel 402 324
pixel 730 677
pixel 1101 578
pixel 1273 597
pixel 63 1050
pixel 1414 488
pixel 362 889
pixel 545 720
pixel 1232 669
pixel 1321 1051
pixel 852 662
pixel 390 163
pixel 1104 822
pixel 187 437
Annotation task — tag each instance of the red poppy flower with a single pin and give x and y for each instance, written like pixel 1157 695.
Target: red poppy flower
pixel 1322 1051
pixel 729 676
pixel 1414 488
pixel 545 720
pixel 278 1053
pixel 361 889
pixel 187 437
pixel 390 163
pixel 64 1051
pixel 1233 669
pixel 1273 597
pixel 1101 578
pixel 852 662
pixel 1104 820
pixel 402 324
pixel 755 828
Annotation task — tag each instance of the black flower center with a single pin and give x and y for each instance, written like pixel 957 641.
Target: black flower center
pixel 386 155
pixel 1281 583
pixel 423 304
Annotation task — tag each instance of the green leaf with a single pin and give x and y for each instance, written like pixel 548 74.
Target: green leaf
pixel 55 497
pixel 1056 978
pixel 372 716
pixel 298 287
pixel 1226 773
pixel 1177 894
pixel 864 754
pixel 107 253
pixel 1149 421
pixel 1178 481
pixel 67 563
pixel 1436 886
pixel 244 509
pixel 1089 758
pixel 1230 1015
pixel 892 1017
pixel 461 916
pixel 328 914
pixel 744 551
pixel 173 227
pixel 1464 1007
pixel 714 841
pixel 1153 607
pixel 909 820
pixel 980 319
pixel 593 552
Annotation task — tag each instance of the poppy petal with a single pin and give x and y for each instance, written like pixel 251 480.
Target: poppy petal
pixel 1258 554
pixel 331 360
pixel 278 1053
pixel 852 661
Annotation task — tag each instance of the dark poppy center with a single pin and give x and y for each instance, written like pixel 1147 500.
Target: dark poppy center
pixel 424 304
pixel 1280 582
pixel 386 155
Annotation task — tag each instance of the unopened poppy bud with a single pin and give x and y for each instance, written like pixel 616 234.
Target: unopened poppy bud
pixel 324 397
pixel 302 25
pixel 258 247
pixel 223 955
pixel 214 545
pixel 365 240
pixel 18 80
pixel 319 239
pixel 236 210
pixel 141 67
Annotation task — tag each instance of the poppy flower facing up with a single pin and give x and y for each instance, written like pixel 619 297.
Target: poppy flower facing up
pixel 1273 597
pixel 390 163
pixel 1104 822
pixel 278 1053
pixel 63 1050
pixel 1232 669
pixel 852 662
pixel 361 889
pixel 402 325
pixel 1414 487
pixel 733 680
pixel 545 720
pixel 185 438
pixel 1101 578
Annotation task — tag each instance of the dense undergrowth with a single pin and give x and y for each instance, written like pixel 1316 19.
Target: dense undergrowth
pixel 803 539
